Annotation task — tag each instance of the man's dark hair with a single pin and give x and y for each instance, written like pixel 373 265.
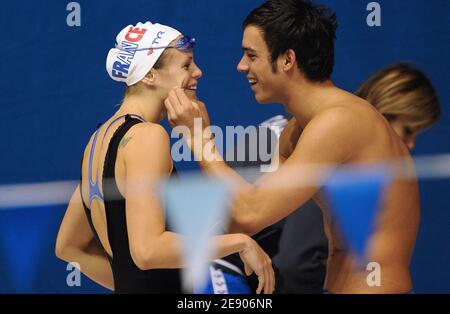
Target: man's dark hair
pixel 299 25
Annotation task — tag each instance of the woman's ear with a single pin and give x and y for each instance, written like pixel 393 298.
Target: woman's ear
pixel 149 79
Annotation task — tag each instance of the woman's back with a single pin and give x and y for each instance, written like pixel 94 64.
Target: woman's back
pixel 103 193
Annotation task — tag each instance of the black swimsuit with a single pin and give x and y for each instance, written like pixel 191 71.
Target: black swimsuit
pixel 128 278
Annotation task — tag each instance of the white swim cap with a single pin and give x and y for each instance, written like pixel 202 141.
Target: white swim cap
pixel 126 62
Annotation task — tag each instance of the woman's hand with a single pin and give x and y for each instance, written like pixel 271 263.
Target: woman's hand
pixel 256 260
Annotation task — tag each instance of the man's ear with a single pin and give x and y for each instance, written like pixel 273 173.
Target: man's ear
pixel 149 79
pixel 289 60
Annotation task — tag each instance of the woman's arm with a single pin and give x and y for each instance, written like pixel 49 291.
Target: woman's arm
pixel 148 162
pixel 75 243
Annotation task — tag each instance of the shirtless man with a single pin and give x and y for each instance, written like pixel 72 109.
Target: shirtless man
pixel 288 58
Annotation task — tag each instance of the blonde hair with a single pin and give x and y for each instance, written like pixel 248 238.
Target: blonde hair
pixel 402 91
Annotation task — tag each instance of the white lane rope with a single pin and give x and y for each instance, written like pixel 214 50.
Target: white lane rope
pixel 59 192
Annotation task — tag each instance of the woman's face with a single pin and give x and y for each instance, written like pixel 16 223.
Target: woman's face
pixel 406 132
pixel 179 69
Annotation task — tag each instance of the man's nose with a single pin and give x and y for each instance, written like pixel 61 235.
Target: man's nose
pixel 242 67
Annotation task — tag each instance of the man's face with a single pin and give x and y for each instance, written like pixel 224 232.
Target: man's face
pixel 255 63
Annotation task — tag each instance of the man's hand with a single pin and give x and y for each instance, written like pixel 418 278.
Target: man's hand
pixel 182 111
pixel 200 105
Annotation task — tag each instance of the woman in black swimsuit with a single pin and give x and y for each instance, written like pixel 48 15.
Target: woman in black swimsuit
pixel 114 226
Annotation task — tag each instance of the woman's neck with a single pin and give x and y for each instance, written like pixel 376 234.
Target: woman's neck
pixel 148 108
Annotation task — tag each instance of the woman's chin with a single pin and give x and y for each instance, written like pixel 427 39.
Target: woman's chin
pixel 191 94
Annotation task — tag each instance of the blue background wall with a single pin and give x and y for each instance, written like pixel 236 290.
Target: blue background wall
pixel 54 90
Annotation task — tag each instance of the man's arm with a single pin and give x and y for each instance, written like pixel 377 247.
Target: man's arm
pixel 75 243
pixel 328 140
pixel 297 179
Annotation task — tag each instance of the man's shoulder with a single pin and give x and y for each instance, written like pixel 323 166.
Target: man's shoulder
pixel 348 109
pixel 342 116
pixel 345 126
